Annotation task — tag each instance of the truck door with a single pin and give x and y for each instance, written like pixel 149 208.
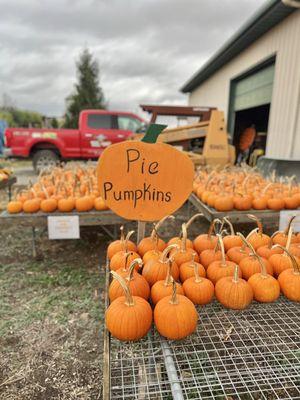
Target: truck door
pixel 98 132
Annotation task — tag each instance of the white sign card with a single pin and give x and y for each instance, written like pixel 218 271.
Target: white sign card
pixel 284 218
pixel 65 227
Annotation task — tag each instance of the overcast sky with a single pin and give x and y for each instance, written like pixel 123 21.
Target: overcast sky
pixel 147 49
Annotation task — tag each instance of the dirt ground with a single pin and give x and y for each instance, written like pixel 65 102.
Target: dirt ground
pixel 51 317
pixel 51 313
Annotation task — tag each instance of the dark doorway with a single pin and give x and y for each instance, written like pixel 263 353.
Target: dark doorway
pixel 258 116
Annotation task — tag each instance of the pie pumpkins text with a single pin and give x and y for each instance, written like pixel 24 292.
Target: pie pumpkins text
pixel 144 181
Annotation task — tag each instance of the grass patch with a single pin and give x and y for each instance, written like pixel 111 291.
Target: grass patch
pixel 46 291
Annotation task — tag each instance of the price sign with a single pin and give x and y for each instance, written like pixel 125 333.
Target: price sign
pixel 284 218
pixel 144 181
pixel 65 227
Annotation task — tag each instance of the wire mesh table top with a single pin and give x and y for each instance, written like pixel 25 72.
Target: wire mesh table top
pixel 249 354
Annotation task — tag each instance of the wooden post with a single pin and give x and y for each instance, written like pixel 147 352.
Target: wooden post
pixel 141 231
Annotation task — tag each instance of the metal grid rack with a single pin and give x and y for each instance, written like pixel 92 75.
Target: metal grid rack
pixel 251 354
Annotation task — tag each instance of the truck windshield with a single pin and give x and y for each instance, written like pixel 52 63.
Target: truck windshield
pixel 98 121
pixel 129 124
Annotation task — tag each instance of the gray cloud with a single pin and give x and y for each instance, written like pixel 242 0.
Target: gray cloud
pixel 146 49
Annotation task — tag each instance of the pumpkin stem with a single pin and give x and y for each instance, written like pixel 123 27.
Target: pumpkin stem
pixel 184 237
pixel 128 297
pixel 220 241
pixel 262 265
pixel 192 219
pixel 164 255
pixel 255 230
pixel 226 219
pixel 258 222
pixel 217 246
pixel 235 278
pixel 196 272
pixel 296 267
pixel 246 243
pixel 32 189
pixel 125 244
pixel 289 237
pixel 267 187
pixel 127 254
pixel 122 237
pixel 45 192
pixel 270 245
pixel 158 225
pixel 174 299
pixel 289 224
pixel 212 227
pixel 168 280
pixel 131 268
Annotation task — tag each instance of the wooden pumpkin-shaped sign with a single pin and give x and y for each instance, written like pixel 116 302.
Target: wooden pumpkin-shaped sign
pixel 144 180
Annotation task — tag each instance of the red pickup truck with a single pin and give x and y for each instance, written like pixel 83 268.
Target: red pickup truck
pixel 97 130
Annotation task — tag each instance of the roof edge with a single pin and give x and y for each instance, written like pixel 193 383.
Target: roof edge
pixel 265 18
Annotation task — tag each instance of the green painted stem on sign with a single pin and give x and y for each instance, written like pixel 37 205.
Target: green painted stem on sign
pixel 152 133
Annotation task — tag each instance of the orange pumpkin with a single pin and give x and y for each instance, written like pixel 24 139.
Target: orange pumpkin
pixel 122 244
pixel 267 251
pixel 122 259
pixel 206 241
pixel 32 205
pixel 251 264
pixel 224 202
pixel 265 287
pixel 99 204
pixel 66 204
pixel 231 240
pixel 137 283
pixel 84 204
pixel 164 288
pixel 14 207
pixel 186 270
pixel 178 239
pixel 289 279
pixel 236 254
pixel 156 270
pixel 128 317
pixel 153 242
pixel 184 253
pixel 175 316
pixel 282 237
pixel 198 289
pixel 48 205
pixel 218 269
pixel 234 292
pixel 280 262
pixel 257 238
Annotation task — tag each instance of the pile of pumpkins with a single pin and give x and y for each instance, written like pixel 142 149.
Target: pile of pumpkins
pixel 244 189
pixel 64 189
pixel 171 278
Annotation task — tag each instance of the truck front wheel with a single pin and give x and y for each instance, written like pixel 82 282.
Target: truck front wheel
pixel 44 159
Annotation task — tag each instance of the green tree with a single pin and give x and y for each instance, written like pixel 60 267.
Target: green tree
pixel 21 118
pixel 54 123
pixel 87 93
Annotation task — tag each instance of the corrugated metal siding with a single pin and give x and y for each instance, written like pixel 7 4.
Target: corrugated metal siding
pixel 284 41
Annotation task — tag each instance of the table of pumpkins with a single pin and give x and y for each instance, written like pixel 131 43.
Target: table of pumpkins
pixel 160 282
pixel 244 188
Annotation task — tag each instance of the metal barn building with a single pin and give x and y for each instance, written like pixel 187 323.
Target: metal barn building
pixel 255 78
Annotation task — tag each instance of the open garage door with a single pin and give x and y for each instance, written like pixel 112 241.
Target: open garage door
pixel 250 100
